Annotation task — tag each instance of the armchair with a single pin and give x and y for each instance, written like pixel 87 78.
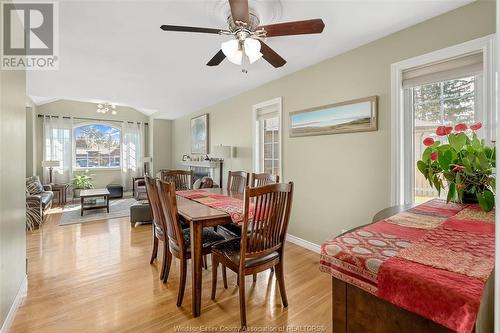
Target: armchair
pixel 140 190
pixel 36 205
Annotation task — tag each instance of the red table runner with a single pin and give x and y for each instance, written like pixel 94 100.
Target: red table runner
pixel 232 206
pixel 433 260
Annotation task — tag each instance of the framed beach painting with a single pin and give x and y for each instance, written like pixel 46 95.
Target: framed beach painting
pixel 359 115
pixel 199 134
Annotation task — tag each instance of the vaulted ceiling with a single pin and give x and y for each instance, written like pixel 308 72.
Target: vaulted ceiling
pixel 115 51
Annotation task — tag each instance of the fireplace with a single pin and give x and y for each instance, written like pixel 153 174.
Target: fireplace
pixel 212 169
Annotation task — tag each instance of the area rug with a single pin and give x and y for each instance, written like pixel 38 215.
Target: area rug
pixel 117 208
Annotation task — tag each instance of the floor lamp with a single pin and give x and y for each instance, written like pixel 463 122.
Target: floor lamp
pixel 51 165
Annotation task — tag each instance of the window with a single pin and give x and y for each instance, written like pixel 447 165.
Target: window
pixel 267 137
pixel 445 102
pixel 451 85
pixel 97 146
pixel 270 145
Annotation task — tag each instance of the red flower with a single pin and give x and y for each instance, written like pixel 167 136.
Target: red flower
pixel 460 127
pixel 443 130
pixel 458 168
pixel 475 127
pixel 428 141
pixel 434 156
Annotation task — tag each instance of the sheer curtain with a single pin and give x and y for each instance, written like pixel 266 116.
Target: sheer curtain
pixel 58 146
pixel 133 145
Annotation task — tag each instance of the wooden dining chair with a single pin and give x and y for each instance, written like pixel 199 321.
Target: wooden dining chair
pixel 159 226
pixel 263 246
pixel 237 181
pixel 183 179
pixel 261 179
pixel 178 239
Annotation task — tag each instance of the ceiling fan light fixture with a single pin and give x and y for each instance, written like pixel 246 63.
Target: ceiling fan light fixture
pixel 232 51
pixel 252 49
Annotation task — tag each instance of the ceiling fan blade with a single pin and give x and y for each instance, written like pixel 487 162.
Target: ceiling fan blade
pixel 239 10
pixel 271 57
pixel 315 26
pixel 217 59
pixel 190 29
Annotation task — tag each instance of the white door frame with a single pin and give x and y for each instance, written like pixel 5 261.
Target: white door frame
pixel 255 110
pixel 402 123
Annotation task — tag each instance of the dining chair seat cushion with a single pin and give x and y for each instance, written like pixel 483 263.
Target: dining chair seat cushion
pixel 209 238
pixel 231 250
pixel 232 230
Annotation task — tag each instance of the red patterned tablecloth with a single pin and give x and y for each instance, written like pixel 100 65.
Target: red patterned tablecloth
pixel 433 260
pixel 232 206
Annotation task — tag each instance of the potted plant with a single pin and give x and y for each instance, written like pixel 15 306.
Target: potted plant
pixel 81 182
pixel 464 162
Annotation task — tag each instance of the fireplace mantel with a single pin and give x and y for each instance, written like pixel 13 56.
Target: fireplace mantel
pixel 210 166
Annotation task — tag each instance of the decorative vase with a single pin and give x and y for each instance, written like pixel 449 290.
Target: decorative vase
pixel 469 198
pixel 76 193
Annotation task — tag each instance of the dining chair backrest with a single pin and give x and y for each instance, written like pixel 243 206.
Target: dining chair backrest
pixel 168 202
pixel 261 179
pixel 183 179
pixel 267 226
pixel 154 203
pixel 237 181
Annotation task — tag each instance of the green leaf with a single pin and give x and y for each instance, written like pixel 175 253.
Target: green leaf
pixel 426 155
pixel 422 167
pixel 451 192
pixel 457 141
pixel 445 159
pixel 486 200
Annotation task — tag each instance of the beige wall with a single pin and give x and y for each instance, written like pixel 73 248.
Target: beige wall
pixel 12 187
pixel 86 110
pixel 161 144
pixel 342 180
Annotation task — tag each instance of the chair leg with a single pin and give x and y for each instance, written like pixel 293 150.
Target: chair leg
pixel 243 311
pixel 280 274
pixel 182 281
pixel 254 277
pixel 272 269
pixel 205 262
pixel 224 276
pixel 215 266
pixel 154 254
pixel 164 261
pixel 167 267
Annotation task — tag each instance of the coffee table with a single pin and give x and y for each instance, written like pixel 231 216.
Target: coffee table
pixel 94 193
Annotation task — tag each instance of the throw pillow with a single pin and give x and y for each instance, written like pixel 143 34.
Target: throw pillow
pixel 33 185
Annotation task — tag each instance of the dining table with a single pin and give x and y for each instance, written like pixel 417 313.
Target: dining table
pixel 200 216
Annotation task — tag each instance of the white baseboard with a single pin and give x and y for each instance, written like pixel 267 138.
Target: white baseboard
pixel 21 293
pixel 303 243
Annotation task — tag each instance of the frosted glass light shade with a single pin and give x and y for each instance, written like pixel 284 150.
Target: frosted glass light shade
pixel 252 49
pixel 231 50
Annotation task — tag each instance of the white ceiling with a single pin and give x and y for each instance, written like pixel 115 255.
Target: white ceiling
pixel 115 51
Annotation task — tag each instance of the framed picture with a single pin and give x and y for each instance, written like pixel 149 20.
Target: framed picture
pixel 199 134
pixel 359 115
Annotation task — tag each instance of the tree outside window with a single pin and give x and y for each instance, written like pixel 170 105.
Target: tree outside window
pixel 97 146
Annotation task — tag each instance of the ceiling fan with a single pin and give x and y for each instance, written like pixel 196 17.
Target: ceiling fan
pixel 249 35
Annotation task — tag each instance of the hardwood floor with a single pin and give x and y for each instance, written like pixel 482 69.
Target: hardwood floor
pixel 96 277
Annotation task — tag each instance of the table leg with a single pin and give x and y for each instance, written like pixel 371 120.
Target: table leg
pixel 107 203
pixel 81 209
pixel 196 256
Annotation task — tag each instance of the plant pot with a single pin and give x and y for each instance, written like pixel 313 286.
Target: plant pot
pixel 469 198
pixel 76 192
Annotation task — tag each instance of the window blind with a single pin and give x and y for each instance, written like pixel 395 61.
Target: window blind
pixel 267 113
pixel 455 68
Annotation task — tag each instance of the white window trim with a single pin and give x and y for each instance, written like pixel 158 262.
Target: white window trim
pixel 100 122
pixel 401 149
pixel 255 111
